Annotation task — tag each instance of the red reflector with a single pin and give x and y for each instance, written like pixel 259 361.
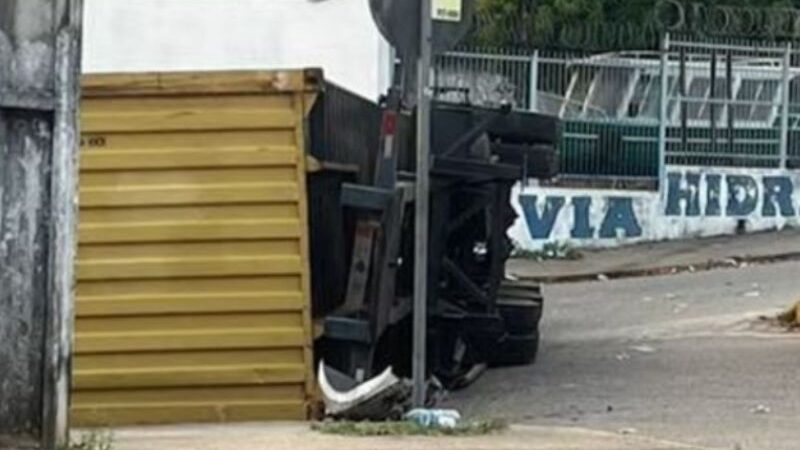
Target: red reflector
pixel 389 125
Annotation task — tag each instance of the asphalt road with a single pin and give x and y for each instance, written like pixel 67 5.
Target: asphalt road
pixel 681 357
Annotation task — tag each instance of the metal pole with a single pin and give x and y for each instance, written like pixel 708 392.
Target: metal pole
pixel 533 93
pixel 712 94
pixel 684 105
pixel 422 206
pixel 729 96
pixel 786 85
pixel 663 117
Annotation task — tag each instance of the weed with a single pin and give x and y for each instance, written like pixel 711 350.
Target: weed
pixel 365 429
pixel 93 440
pixel 791 318
pixel 550 251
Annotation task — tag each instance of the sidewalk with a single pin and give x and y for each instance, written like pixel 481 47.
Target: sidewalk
pixel 664 257
pixel 298 436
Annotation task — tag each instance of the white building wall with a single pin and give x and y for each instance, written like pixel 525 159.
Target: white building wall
pixel 175 35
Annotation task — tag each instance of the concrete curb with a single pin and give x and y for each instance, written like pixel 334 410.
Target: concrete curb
pixel 299 436
pixel 646 442
pixel 731 262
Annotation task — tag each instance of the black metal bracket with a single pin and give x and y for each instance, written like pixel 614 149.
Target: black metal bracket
pixel 473 134
pixel 474 291
pixel 366 197
pixel 477 170
pixel 348 329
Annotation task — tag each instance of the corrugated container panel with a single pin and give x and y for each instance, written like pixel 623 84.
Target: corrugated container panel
pixel 193 291
pixel 346 130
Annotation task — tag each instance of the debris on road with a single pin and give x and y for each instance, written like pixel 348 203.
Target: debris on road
pixel 761 409
pixel 381 398
pixel 628 431
pixel 434 418
pixel 791 317
pixel 679 308
pixel 731 262
pixel 643 349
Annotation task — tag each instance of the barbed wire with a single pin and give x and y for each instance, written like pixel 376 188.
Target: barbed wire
pixel 694 19
pixel 726 20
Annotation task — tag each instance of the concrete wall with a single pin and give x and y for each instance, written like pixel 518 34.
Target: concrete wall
pixel 698 202
pixel 39 42
pixel 166 35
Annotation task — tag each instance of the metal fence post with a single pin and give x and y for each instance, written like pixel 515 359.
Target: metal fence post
pixel 785 86
pixel 533 92
pixel 663 118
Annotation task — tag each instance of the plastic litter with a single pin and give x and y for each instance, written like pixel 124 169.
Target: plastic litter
pixel 434 418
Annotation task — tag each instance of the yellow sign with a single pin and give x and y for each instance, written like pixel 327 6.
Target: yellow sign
pixel 447 10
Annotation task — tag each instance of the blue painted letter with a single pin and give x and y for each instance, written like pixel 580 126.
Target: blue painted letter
pixel 778 190
pixel 713 202
pixel 742 195
pixel 620 216
pixel 583 228
pixel 691 195
pixel 541 226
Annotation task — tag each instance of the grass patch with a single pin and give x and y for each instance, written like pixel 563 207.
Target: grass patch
pixel 550 251
pixel 93 440
pixel 372 429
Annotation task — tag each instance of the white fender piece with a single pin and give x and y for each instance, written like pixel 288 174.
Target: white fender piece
pixel 376 399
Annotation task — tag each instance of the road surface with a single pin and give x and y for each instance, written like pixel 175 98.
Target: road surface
pixel 680 357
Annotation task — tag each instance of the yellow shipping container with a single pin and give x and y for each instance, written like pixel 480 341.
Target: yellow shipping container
pixel 193 274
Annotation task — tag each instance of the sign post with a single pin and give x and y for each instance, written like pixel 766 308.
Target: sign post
pixel 409 26
pixel 422 204
pixel 447 10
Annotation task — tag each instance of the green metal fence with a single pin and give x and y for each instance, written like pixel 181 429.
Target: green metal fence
pixel 730 103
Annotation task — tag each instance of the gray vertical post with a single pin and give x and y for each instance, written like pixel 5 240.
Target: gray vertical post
pixel 712 105
pixel 684 105
pixel 663 118
pixel 785 86
pixel 39 77
pixel 533 82
pixel 63 226
pixel 731 102
pixel 422 206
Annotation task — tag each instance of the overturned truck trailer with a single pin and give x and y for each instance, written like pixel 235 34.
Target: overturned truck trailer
pixel 218 209
pixel 477 318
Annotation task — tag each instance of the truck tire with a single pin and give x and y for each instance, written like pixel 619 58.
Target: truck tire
pixel 521 316
pixel 523 287
pixel 517 293
pixel 515 351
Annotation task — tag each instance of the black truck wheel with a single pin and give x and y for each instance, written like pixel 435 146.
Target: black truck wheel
pixel 515 351
pixel 521 316
pixel 521 306
pixel 521 288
